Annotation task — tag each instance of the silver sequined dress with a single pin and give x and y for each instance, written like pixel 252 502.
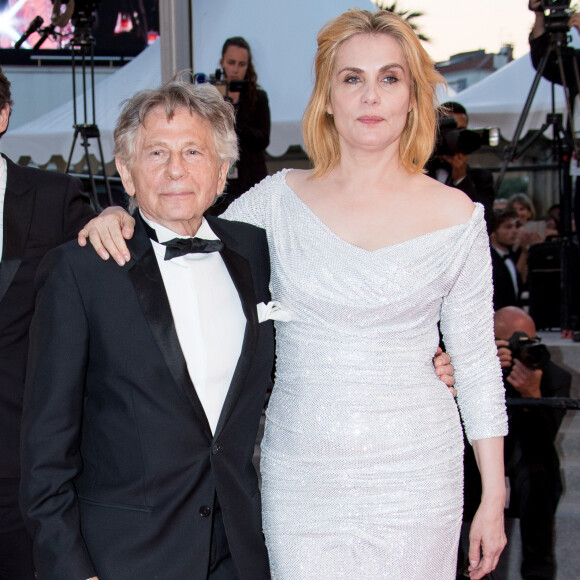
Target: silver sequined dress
pixel 362 453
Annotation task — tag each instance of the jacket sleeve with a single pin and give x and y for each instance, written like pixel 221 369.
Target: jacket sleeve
pixel 51 424
pixel 77 210
pixel 539 46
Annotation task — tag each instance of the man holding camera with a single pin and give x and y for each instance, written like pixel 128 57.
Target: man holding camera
pixel 477 184
pixel 531 459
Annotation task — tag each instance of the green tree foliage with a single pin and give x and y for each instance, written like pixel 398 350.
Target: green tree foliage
pixel 408 15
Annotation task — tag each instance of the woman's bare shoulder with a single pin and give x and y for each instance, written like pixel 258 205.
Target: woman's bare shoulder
pixel 449 204
pixel 298 177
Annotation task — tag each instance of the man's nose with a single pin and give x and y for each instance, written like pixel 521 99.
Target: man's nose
pixel 176 167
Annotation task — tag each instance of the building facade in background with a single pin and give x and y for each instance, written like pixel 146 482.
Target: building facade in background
pixel 467 68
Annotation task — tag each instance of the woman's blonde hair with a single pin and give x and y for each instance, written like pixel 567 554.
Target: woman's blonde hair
pixel 318 128
pixel 524 200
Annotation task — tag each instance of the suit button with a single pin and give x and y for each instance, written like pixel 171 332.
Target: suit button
pixel 215 449
pixel 204 511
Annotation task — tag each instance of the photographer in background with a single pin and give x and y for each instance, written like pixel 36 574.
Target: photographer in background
pixel 252 121
pixel 539 45
pixel 531 459
pixel 450 167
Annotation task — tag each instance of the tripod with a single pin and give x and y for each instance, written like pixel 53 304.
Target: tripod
pixel 85 43
pixel 564 144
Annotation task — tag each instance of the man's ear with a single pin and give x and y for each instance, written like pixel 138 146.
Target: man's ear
pixel 4 117
pixel 222 176
pixel 126 177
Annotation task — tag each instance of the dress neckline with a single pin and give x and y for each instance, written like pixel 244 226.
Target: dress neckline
pixel 477 213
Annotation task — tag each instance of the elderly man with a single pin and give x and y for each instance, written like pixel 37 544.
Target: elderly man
pixel 146 383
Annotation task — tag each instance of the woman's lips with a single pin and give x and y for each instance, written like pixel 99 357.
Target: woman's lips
pixel 370 119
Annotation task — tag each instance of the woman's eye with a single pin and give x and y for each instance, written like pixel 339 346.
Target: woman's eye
pixel 389 79
pixel 351 80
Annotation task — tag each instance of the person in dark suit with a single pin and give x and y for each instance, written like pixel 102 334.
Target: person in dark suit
pixel 252 121
pixel 476 183
pixel 38 211
pixel 531 457
pixel 506 279
pixel 146 383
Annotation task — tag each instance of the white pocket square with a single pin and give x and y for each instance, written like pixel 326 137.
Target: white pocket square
pixel 273 311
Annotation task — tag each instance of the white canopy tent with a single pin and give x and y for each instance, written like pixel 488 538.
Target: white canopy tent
pixel 498 100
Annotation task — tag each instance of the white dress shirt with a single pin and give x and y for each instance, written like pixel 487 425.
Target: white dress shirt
pixel 208 317
pixel 3 178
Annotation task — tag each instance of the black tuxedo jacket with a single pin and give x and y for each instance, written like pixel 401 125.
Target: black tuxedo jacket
pixel 120 468
pixel 478 185
pixel 42 209
pixel 504 293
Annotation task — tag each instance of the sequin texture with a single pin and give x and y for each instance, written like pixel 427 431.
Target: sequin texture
pixel 363 448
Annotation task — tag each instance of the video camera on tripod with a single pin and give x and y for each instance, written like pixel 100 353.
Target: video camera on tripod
pixel 556 15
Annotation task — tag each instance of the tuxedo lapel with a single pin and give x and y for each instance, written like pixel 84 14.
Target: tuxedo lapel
pixel 241 275
pixel 148 283
pixel 18 209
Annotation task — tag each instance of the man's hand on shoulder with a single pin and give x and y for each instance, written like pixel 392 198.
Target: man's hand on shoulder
pixel 107 234
pixel 444 369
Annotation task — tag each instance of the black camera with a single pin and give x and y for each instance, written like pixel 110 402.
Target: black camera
pixel 451 140
pixel 529 351
pixel 556 15
pixel 221 84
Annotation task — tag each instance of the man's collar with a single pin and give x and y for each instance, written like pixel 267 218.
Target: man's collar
pixel 165 234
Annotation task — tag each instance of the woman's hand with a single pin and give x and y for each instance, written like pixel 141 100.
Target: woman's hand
pixel 487 535
pixel 107 234
pixel 487 539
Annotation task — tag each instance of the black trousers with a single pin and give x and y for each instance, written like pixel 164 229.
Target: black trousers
pixel 15 543
pixel 534 474
pixel 221 563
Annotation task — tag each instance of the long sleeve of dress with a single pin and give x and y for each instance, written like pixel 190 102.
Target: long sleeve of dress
pixel 468 333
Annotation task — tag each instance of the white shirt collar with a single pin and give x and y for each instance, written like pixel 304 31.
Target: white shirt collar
pixel 165 234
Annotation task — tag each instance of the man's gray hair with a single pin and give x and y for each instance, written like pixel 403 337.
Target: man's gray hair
pixel 203 100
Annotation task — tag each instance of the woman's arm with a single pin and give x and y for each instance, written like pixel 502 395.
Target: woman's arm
pixel 487 536
pixel 468 333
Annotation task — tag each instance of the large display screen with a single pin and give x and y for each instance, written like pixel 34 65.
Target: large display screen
pixel 117 26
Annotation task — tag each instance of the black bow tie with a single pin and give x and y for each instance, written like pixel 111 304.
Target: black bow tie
pixel 183 246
